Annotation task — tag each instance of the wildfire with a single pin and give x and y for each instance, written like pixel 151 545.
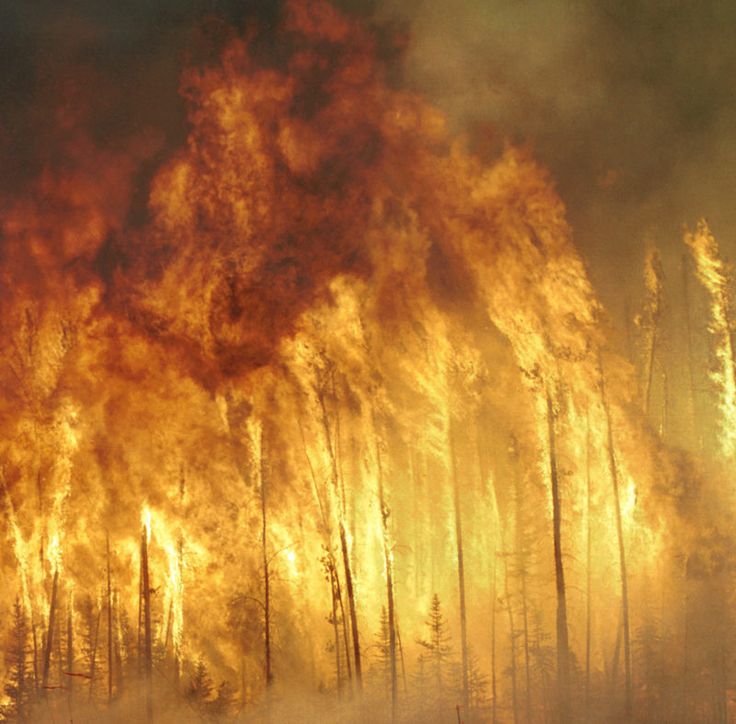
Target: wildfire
pixel 334 419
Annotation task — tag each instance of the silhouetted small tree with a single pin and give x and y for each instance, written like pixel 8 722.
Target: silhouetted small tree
pixel 435 661
pixel 17 687
pixel 199 689
pixel 382 651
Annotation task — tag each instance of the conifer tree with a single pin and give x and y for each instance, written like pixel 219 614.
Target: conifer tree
pixel 436 657
pixel 17 688
pixel 199 689
pixel 382 648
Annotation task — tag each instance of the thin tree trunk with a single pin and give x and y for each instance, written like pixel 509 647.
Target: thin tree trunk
pixel 326 517
pixel 512 636
pixel 167 630
pixel 563 655
pixel 178 638
pixel 650 369
pixel 35 654
pixel 147 641
pixel 266 573
pixel 336 627
pixel 460 571
pixel 401 657
pixel 21 663
pixel 343 617
pixel 109 622
pixel 118 643
pixel 93 654
pixel 70 653
pixel 50 633
pixel 389 584
pixel 685 654
pixel 344 549
pixel 521 565
pixel 139 643
pixel 588 578
pixel 621 551
pixel 493 640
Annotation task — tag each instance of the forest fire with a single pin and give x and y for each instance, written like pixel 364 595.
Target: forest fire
pixel 333 426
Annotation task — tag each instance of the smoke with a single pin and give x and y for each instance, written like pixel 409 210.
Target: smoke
pixel 631 105
pixel 229 224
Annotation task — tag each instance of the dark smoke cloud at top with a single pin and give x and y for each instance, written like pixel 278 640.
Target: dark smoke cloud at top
pixel 631 104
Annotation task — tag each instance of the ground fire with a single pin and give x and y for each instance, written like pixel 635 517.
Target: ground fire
pixel 317 416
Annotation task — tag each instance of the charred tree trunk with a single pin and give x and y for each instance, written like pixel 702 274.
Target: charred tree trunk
pixel 344 548
pixel 70 654
pixel 521 564
pixel 50 633
pixel 266 573
pixel 178 639
pixel 343 617
pixel 93 654
pixel 147 640
pixel 118 645
pixel 35 653
pixel 167 634
pixel 588 562
pixel 563 650
pixel 109 623
pixel 493 642
pixel 335 626
pixel 326 518
pixel 401 658
pixel 512 638
pixel 629 694
pixel 460 571
pixel 351 604
pixel 387 558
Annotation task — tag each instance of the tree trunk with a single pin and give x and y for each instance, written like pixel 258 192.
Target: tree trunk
pixel 460 570
pixel 50 634
pixel 521 567
pixel 266 573
pixel 93 655
pixel 588 561
pixel 512 637
pixel 344 549
pixel 387 558
pixel 493 641
pixel 70 652
pixel 147 641
pixel 629 694
pixel 109 623
pixel 35 654
pixel 336 627
pixel 563 655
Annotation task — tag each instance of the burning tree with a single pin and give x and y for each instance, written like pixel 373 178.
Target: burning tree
pixel 302 353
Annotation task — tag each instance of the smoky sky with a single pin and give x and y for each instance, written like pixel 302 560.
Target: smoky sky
pixel 631 105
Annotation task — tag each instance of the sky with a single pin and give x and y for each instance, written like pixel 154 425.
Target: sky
pixel 631 105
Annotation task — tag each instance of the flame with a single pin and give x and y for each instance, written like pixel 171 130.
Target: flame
pixel 713 275
pixel 53 553
pixel 329 371
pixel 146 522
